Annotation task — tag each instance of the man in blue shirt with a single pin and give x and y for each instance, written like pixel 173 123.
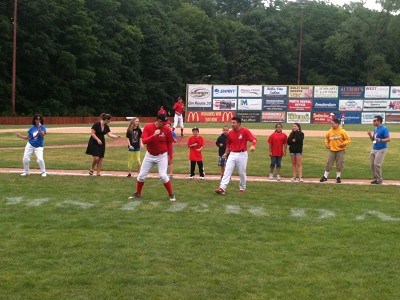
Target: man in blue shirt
pixel 379 139
pixel 35 138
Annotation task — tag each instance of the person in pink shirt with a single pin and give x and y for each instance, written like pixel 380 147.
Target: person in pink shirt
pixel 236 151
pixel 277 143
pixel 196 144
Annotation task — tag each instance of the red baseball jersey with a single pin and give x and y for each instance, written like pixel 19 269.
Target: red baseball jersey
pixel 277 140
pixel 158 144
pixel 193 153
pixel 236 141
pixel 179 107
pixel 162 112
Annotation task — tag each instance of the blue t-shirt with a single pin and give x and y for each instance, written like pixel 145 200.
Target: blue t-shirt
pixel 174 135
pixel 380 132
pixel 35 139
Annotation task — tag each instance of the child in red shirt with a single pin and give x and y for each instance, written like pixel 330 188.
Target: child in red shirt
pixel 277 143
pixel 196 144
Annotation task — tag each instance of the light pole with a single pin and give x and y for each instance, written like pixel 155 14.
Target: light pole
pixel 302 6
pixel 14 59
pixel 205 76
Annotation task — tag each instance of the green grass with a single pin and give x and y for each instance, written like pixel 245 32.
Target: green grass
pixel 314 158
pixel 80 238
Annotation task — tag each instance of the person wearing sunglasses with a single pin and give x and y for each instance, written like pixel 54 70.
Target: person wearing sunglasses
pixel 35 144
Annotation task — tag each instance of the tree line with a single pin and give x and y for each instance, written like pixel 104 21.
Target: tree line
pixel 127 57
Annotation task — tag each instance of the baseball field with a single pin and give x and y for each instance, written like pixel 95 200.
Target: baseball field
pixel 79 237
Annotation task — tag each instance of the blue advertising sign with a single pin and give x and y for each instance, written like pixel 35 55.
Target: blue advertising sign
pixel 325 104
pixel 351 117
pixel 351 92
pixel 274 104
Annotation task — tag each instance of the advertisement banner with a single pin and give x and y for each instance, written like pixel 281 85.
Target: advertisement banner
pixel 250 117
pixel 225 91
pixel 250 91
pixel 271 91
pixel 377 92
pixel 350 105
pixel 321 118
pixel 376 105
pixel 351 117
pixel 326 91
pixel 249 104
pixel 298 117
pixel 209 116
pixel 274 104
pixel 366 118
pixel 325 105
pixel 199 96
pixel 301 91
pixel 351 92
pixel 273 116
pixel 299 105
pixel 224 104
pixel 395 92
pixel 392 118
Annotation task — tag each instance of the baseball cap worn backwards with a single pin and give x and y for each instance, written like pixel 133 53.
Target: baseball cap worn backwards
pixel 162 117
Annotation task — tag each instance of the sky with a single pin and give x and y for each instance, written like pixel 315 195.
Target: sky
pixel 369 3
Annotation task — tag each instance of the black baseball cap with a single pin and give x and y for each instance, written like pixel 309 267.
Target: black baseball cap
pixel 195 129
pixel 162 117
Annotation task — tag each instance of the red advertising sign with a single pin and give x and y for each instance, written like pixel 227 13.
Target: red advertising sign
pixel 209 116
pixel 273 116
pixel 300 105
pixel 321 118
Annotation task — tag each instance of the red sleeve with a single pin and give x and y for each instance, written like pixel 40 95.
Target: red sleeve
pixel 269 139
pixel 147 135
pixel 250 136
pixel 201 141
pixel 175 106
pixel 189 142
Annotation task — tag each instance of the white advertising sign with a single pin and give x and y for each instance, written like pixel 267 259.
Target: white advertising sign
pixel 376 105
pixel 250 91
pixel 326 91
pixel 351 105
pixel 224 104
pixel 275 91
pixel 395 92
pixel 298 117
pixel 366 118
pixel 199 96
pixel 377 92
pixel 301 91
pixel 225 91
pixel 249 104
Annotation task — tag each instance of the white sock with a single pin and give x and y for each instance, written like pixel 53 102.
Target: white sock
pixel 326 174
pixel 338 174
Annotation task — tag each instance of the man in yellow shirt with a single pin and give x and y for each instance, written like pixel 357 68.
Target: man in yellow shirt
pixel 336 141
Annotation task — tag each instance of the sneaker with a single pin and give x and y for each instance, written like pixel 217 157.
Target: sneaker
pixel 24 174
pixel 376 182
pixel 44 174
pixel 191 177
pixel 293 179
pixel 220 191
pixel 278 177
pixel 301 180
pixel 323 178
pixel 338 180
pixel 271 176
pixel 201 178
pixel 129 175
pixel 171 176
pixel 181 134
pixel 134 196
pixel 242 191
pixel 172 197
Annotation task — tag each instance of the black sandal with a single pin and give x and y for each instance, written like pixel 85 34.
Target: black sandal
pixel 90 172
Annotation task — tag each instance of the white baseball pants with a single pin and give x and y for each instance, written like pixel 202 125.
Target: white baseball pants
pixel 148 163
pixel 178 119
pixel 238 160
pixel 29 149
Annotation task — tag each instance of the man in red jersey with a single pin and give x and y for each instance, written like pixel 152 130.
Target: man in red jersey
pixel 158 139
pixel 179 108
pixel 236 148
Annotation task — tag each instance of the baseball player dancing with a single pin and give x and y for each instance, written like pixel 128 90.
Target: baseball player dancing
pixel 179 107
pixel 236 148
pixel 158 139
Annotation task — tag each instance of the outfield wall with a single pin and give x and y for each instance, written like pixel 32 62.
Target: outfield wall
pixel 317 104
pixel 65 120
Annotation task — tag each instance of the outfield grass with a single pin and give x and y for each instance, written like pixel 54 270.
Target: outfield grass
pixel 314 158
pixel 80 238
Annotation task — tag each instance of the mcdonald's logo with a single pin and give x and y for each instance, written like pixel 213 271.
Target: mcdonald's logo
pixel 227 116
pixel 193 116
